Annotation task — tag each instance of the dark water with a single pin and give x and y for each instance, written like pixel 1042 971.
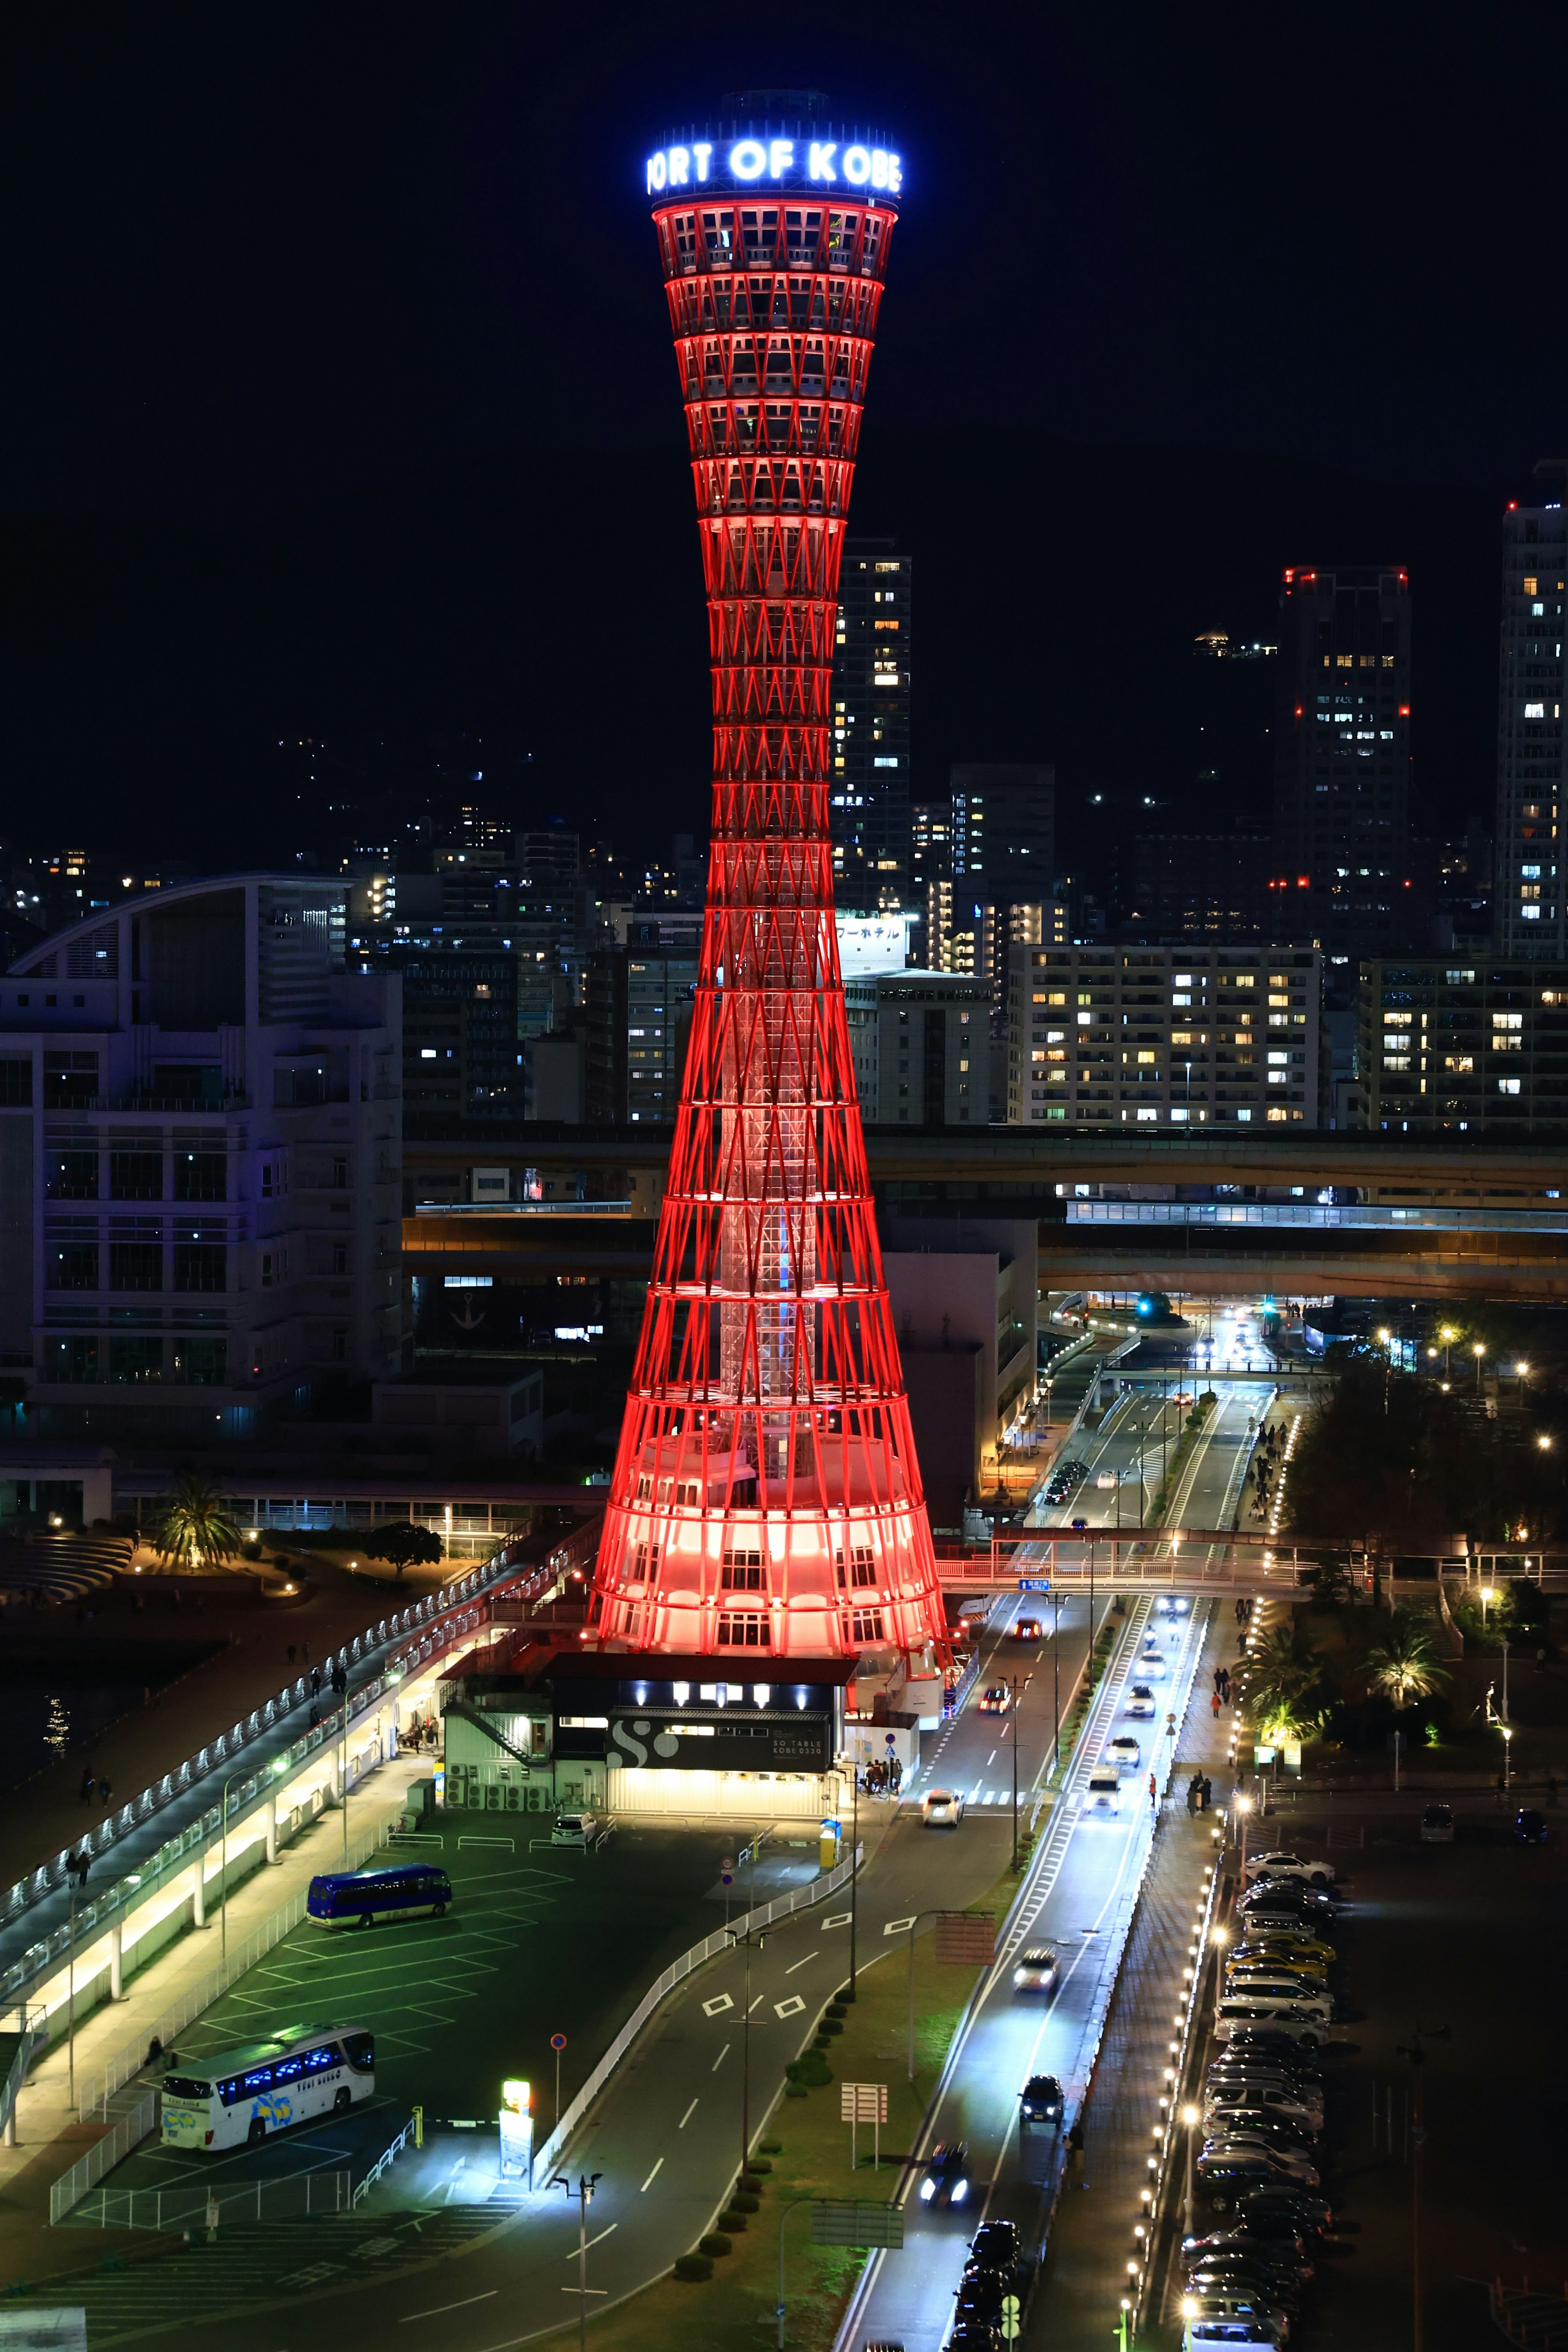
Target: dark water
pixel 50 1711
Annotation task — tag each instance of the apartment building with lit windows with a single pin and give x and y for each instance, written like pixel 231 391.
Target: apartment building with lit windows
pixel 869 793
pixel 1530 899
pixel 1123 1035
pixel 1462 1045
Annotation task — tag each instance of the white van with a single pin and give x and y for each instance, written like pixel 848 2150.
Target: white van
pixel 1243 2015
pixel 1102 1797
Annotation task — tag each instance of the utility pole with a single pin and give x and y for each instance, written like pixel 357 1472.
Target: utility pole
pixel 583 2192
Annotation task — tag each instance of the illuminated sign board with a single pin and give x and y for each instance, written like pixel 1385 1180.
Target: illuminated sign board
pixel 783 161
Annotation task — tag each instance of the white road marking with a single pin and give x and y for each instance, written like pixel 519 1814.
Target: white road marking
pixel 799 1964
pixel 686 2119
pixel 648 2184
pixel 438 2308
pixel 719 2059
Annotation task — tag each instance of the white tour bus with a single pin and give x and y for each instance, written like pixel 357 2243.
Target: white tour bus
pixel 264 2086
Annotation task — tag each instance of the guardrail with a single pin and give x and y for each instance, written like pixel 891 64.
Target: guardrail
pixel 133 2057
pixel 801 1900
pixel 101 2157
pixel 383 2162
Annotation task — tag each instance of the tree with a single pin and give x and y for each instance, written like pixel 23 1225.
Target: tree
pixel 1404 1666
pixel 403 1544
pixel 195 1526
pixel 1284 1695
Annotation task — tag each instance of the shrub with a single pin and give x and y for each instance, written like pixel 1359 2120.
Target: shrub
pixel 694 2266
pixel 715 2242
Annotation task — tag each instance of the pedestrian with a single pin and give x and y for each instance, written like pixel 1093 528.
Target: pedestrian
pixel 1213 1706
pixel 1208 1793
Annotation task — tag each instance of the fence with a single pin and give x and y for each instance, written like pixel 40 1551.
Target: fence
pixel 101 2157
pixel 297 2196
pixel 133 2057
pixel 801 1900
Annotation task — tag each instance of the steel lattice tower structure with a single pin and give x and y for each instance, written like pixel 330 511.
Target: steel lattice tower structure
pixel 766 1500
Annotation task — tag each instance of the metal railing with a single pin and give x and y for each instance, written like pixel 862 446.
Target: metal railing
pixel 410 1636
pixel 297 2196
pixel 102 2156
pixel 711 1946
pixel 130 2059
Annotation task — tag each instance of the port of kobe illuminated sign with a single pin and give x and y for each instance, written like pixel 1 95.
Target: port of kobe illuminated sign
pixel 809 162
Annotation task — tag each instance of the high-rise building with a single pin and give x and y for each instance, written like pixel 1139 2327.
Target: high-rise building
pixel 766 1502
pixel 1124 1037
pixel 871 794
pixel 1530 895
pixel 1005 829
pixel 1341 774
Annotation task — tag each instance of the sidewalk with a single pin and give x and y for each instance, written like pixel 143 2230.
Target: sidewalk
pixel 1085 2273
pixel 50 2138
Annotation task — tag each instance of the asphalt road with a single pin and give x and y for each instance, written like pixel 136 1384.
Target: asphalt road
pixel 667 2136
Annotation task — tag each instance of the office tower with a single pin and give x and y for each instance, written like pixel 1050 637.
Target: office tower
pixel 871 794
pixel 766 1500
pixel 1005 829
pixel 1530 900
pixel 1126 1036
pixel 200 1161
pixel 919 1041
pixel 1342 773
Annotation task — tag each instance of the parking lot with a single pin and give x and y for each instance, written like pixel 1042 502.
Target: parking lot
pixel 535 1943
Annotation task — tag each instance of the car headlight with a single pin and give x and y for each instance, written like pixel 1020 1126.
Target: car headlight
pixel 928 2190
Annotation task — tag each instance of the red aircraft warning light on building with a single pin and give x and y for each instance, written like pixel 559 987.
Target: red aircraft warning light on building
pixel 766 1500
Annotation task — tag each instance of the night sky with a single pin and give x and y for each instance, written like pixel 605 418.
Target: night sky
pixel 339 399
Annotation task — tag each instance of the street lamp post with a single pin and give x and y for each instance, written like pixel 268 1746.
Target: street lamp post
pixel 583 2192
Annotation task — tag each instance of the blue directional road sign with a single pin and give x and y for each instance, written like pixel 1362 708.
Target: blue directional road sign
pixel 1034 1584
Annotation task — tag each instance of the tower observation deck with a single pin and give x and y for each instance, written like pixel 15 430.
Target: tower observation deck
pixel 766 1500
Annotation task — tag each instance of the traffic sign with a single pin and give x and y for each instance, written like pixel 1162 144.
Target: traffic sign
pixel 1034 1584
pixel 1010 2322
pixel 856 2222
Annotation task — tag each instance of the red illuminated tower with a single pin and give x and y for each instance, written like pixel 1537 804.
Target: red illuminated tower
pixel 766 1497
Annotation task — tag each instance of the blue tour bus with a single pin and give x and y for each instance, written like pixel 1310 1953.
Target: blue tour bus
pixel 360 1897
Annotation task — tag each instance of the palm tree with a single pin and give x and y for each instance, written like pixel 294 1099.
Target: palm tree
pixel 1404 1666
pixel 196 1526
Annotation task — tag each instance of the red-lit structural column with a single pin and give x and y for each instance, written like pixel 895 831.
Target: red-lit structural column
pixel 766 1497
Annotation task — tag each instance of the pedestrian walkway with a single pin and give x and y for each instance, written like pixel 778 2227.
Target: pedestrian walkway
pixel 1092 2241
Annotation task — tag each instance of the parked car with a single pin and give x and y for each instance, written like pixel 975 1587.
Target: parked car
pixel 996 2246
pixel 1312 1869
pixel 1437 1825
pixel 574 1829
pixel 946 2179
pixel 995 1699
pixel 1041 2102
pixel 942 1808
pixel 1529 1828
pixel 1141 1702
pixel 1037 1970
